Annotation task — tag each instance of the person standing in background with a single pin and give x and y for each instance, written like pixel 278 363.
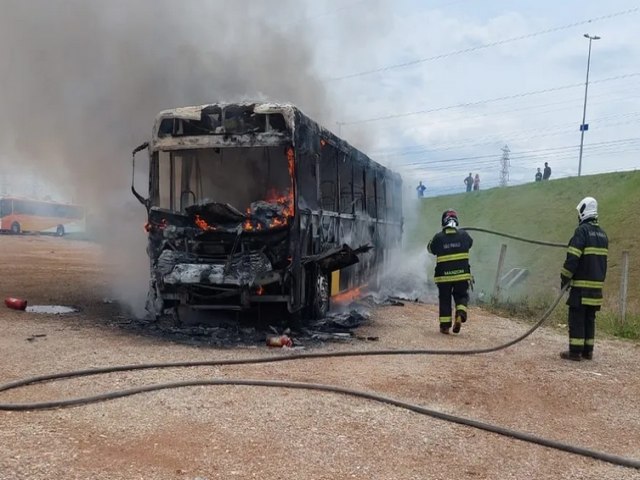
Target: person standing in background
pixel 476 182
pixel 547 171
pixel 421 188
pixel 538 175
pixel 468 181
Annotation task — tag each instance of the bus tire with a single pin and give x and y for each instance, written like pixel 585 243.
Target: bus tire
pixel 15 228
pixel 319 307
pixel 60 231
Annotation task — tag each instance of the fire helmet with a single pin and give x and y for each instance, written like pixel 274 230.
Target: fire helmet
pixel 587 209
pixel 450 218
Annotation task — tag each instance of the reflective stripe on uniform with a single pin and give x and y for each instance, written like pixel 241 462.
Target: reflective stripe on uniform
pixel 586 284
pixel 576 342
pixel 452 278
pixel 462 308
pixel 452 257
pixel 592 302
pixel 595 251
pixel 445 319
pixel 589 342
pixel 574 251
pixel 566 273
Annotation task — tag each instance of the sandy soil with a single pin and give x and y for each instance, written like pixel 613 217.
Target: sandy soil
pixel 249 432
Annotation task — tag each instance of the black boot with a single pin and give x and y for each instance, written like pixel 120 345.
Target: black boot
pixel 444 330
pixel 575 356
pixel 587 355
pixel 457 324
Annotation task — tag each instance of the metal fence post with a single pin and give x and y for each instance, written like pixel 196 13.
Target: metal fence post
pixel 624 283
pixel 496 285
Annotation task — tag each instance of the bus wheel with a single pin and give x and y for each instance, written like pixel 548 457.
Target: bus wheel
pixel 320 299
pixel 60 231
pixel 15 227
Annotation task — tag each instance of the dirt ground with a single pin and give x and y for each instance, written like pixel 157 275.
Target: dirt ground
pixel 251 432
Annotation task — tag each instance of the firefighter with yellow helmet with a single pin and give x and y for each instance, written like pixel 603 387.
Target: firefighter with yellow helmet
pixel 453 273
pixel 584 269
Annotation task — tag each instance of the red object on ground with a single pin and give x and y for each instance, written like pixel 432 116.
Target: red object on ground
pixel 279 341
pixel 15 303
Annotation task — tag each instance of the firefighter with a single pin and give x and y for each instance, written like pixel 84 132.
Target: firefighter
pixel 453 273
pixel 584 270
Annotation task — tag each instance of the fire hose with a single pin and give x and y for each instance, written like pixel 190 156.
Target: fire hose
pixel 523 436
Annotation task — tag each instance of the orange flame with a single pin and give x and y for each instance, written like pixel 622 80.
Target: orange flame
pixel 260 290
pixel 150 227
pixel 284 200
pixel 348 295
pixel 202 224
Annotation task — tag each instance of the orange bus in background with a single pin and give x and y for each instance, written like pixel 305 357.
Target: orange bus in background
pixel 19 215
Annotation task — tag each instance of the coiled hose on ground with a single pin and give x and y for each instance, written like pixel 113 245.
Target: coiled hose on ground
pixel 606 457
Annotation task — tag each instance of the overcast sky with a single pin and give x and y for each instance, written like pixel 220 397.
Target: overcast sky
pixel 446 142
pixel 432 88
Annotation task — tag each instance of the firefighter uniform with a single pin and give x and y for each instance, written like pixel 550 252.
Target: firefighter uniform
pixel 452 274
pixel 584 269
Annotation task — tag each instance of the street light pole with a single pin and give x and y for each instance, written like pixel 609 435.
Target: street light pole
pixel 584 126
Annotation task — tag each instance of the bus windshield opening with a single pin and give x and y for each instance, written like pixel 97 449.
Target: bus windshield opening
pixel 227 186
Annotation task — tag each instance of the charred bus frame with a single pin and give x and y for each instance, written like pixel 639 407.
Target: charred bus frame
pixel 253 203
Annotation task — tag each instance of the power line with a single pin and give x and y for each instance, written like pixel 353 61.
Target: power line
pixel 559 152
pixel 536 151
pixel 490 100
pixel 603 120
pixel 415 149
pixel 483 46
pixel 517 160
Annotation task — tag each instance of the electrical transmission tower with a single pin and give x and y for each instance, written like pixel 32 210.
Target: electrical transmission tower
pixel 504 167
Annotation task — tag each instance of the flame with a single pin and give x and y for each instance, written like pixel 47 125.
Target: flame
pixel 202 224
pixel 150 227
pixel 277 222
pixel 284 200
pixel 348 295
pixel 260 290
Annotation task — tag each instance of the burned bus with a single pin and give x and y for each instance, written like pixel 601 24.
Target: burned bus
pixel 256 203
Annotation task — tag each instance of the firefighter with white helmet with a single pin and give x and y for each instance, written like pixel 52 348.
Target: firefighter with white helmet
pixel 584 269
pixel 453 273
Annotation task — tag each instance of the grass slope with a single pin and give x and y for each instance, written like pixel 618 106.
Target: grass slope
pixel 545 211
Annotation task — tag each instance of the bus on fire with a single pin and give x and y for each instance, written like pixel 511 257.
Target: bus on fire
pixel 255 202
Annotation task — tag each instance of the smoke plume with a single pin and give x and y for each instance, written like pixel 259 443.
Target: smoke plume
pixel 83 79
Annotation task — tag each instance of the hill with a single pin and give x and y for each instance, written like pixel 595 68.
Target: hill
pixel 544 211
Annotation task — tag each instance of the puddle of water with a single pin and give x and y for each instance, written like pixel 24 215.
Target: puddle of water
pixel 51 309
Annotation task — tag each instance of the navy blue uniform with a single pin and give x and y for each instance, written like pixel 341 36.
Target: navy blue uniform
pixel 585 269
pixel 453 272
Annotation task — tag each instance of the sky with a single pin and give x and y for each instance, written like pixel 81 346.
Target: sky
pixel 431 88
pixel 484 75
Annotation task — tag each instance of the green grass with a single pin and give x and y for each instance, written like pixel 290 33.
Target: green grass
pixel 546 211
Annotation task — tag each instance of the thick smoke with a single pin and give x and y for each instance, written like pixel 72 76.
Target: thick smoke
pixel 82 80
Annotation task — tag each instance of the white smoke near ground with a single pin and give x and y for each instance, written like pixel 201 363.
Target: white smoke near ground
pixel 83 79
pixel 408 274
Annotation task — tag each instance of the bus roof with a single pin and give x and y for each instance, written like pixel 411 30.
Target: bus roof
pixel 33 200
pixel 290 112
